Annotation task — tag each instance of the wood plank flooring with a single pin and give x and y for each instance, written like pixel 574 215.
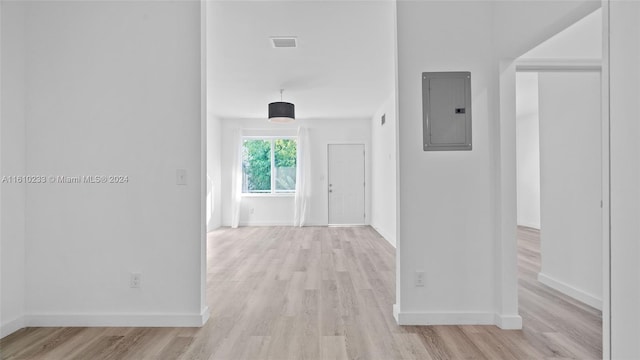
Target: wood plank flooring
pixel 324 293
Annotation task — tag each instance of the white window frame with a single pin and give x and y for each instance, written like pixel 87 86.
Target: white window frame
pixel 272 193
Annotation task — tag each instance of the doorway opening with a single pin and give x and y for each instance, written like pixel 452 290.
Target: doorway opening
pixel 349 118
pixel 559 165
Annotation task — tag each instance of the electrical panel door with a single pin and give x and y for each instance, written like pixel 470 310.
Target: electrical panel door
pixel 446 110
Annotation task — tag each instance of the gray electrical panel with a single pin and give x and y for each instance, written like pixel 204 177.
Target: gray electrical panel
pixel 446 111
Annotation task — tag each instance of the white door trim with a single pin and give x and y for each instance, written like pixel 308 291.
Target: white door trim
pixel 506 180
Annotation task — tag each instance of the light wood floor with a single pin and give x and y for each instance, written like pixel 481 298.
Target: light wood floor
pixel 324 293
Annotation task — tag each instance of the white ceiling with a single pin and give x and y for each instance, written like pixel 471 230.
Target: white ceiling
pixel 342 68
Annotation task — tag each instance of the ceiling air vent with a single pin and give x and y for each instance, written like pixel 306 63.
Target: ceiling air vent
pixel 284 42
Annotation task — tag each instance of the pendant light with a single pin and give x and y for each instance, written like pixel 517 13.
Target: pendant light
pixel 281 112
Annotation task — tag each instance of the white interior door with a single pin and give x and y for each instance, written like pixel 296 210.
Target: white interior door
pixel 346 184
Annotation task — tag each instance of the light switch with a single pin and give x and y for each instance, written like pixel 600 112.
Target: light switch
pixel 181 177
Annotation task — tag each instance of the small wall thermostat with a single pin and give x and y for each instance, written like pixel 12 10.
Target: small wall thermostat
pixel 446 111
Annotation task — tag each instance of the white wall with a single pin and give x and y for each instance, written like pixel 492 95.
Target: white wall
pixel 214 125
pixel 451 206
pixel 12 159
pixel 279 210
pixel 624 75
pixel 445 197
pixel 528 149
pixel 571 184
pixel 383 171
pixel 214 172
pixel 114 89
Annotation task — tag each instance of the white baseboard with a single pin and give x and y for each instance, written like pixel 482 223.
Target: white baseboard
pixel 530 225
pixel 212 228
pixel 443 318
pixel 264 223
pixel 396 312
pixel 571 291
pixel 11 326
pixel 508 322
pixel 204 316
pixel 384 235
pixel 249 223
pixel 119 320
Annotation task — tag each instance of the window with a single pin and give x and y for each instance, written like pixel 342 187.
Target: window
pixel 268 165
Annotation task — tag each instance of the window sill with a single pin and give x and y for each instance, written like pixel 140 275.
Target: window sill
pixel 277 195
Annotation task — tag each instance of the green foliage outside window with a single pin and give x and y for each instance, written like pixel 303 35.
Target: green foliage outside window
pixel 257 165
pixel 285 165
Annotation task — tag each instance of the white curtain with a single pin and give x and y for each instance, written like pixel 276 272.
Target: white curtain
pixel 303 168
pixel 236 179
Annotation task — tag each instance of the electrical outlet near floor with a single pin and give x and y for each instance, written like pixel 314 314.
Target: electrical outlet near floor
pixel 419 278
pixel 135 281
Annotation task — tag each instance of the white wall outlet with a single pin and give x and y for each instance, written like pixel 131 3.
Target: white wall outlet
pixel 419 278
pixel 181 177
pixel 135 281
pixel 252 211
